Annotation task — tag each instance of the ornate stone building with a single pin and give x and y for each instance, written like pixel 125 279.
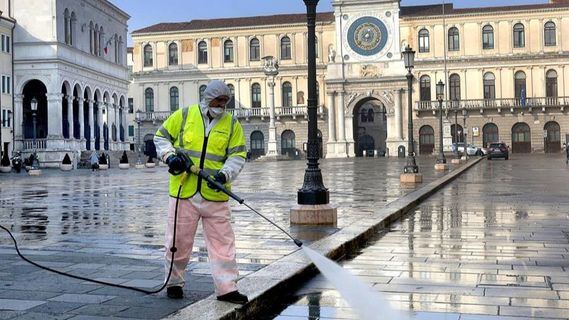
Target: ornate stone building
pixel 6 77
pixel 70 56
pixel 503 67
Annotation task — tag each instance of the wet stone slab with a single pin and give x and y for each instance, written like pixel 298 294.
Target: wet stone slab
pixel 490 245
pixel 110 225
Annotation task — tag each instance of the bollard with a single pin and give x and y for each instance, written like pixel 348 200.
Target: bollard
pixel 365 153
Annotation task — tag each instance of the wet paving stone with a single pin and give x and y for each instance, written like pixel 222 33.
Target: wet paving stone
pixel 490 245
pixel 110 225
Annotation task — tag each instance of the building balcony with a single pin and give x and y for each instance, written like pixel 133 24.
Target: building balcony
pixel 510 104
pixel 262 113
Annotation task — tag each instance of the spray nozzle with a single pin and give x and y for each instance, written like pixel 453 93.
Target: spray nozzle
pixel 297 242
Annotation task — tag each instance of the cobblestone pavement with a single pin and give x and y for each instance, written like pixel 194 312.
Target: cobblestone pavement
pixel 109 225
pixel 493 244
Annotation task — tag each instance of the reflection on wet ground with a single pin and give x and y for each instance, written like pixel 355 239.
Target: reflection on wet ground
pixel 110 225
pixel 494 244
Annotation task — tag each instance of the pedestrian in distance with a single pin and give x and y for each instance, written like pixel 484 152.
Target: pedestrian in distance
pixel 567 153
pixel 206 136
pixel 94 159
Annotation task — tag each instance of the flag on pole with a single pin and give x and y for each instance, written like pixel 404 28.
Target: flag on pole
pixel 106 48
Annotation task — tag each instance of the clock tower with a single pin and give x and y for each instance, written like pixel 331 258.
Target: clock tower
pixel 366 79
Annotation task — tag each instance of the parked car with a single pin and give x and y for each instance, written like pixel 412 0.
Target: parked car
pixel 471 149
pixel 498 150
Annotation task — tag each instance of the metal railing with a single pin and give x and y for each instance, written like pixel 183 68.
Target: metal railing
pixel 494 103
pixel 241 113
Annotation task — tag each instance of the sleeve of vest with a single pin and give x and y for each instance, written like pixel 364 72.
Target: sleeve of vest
pixel 167 135
pixel 236 153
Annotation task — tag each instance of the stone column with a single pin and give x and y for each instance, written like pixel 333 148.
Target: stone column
pixel 331 145
pixel 272 146
pixel 80 116
pixel 70 118
pixel 341 146
pixel 54 121
pixel 100 124
pixel 18 121
pixel 91 121
pixel 398 117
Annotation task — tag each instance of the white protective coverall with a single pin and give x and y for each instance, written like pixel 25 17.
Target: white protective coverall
pixel 215 216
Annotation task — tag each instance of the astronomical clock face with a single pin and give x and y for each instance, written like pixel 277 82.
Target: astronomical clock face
pixel 367 36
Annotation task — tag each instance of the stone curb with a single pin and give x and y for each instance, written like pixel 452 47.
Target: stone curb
pixel 266 287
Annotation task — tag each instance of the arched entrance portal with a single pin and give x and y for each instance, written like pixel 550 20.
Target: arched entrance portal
pixel 370 127
pixel 521 138
pixel 35 89
pixel 552 137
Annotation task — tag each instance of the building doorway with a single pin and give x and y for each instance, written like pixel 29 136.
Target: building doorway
pixel 521 138
pixel 370 127
pixel 552 139
pixel 426 140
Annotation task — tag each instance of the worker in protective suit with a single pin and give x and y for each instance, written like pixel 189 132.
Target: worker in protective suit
pixel 206 136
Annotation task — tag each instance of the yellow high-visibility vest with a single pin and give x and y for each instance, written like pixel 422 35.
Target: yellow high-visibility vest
pixel 185 129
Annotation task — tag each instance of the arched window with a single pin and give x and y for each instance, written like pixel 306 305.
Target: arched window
pixel 72 22
pixel 174 99
pixel 549 34
pixel 257 143
pixel 288 143
pixel 256 95
pixel 454 87
pixel 96 40
pixel 254 50
pixel 149 100
pixel 231 102
pixel 201 91
pixel 489 134
pixel 228 51
pixel 425 88
pixel 67 24
pixel 202 52
pixel 148 59
pixel 285 48
pixel 551 84
pixel 173 54
pixel 287 94
pixel 453 39
pixel 456 133
pixel 91 38
pixel 519 36
pixel 424 44
pixel 370 115
pixel 520 86
pixel 116 37
pixel 363 114
pixel 489 86
pixel 120 51
pixel 101 40
pixel 488 37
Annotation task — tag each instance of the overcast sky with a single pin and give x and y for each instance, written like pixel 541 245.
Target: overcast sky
pixel 148 12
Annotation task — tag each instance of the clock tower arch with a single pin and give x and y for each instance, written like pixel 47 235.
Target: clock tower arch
pixel 367 64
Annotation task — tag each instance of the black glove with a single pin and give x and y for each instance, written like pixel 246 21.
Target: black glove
pixel 178 163
pixel 218 177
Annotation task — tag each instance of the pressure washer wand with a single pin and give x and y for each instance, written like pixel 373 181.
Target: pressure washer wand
pixel 200 173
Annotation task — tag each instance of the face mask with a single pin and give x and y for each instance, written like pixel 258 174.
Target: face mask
pixel 215 111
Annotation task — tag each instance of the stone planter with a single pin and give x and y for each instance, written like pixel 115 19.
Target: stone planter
pixel 103 166
pixel 150 164
pixel 66 167
pixel 6 169
pixel 124 166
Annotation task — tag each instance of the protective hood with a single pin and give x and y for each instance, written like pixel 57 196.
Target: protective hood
pixel 214 89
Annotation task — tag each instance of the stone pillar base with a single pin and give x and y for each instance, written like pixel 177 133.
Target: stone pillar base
pixel 455 161
pixel 34 172
pixel 411 178
pixel 441 166
pixel 314 214
pixel 139 166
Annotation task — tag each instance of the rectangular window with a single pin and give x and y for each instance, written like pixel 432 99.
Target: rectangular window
pixel 8 44
pixel 6 83
pixel 131 131
pixel 3 43
pixel 6 118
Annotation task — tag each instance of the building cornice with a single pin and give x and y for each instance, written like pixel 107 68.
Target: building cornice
pixel 490 61
pixel 478 14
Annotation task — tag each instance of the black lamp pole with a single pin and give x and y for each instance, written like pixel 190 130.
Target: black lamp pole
pixel 456 134
pixel 409 59
pixel 440 94
pixel 313 191
pixel 34 107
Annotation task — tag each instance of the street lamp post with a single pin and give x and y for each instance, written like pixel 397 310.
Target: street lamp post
pixel 34 107
pixel 440 94
pixel 456 135
pixel 313 198
pixel 409 59
pixel 137 120
pixel 464 113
